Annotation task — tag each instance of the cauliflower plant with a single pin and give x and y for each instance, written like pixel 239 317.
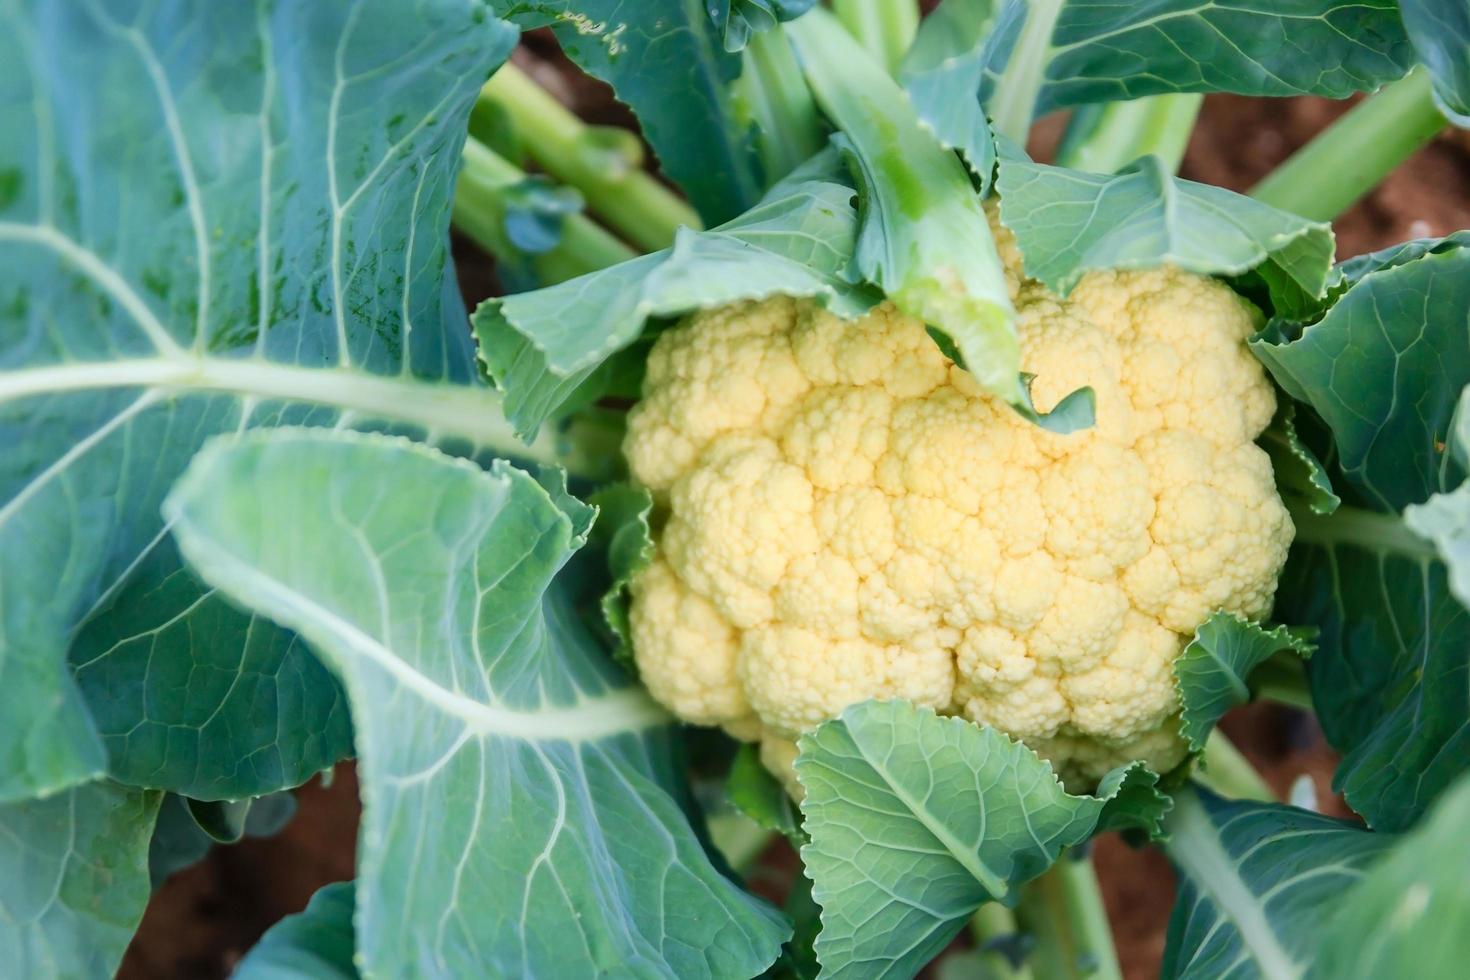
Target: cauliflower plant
pixel 849 516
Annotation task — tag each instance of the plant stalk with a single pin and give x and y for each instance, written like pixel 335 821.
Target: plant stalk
pixel 479 212
pixel 991 924
pixel 1223 769
pixel 1283 679
pixel 1063 910
pixel 1013 106
pixel 627 198
pixel 1109 137
pixel 1349 158
pixel 885 27
pixel 774 95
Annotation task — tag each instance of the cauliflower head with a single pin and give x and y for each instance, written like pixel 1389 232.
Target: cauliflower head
pixel 849 516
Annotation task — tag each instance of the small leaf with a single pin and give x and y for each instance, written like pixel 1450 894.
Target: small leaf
pixel 623 534
pixel 753 791
pixel 315 944
pixel 917 819
pixel 1212 672
pixel 1300 476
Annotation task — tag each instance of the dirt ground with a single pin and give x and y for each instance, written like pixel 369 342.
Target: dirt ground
pixel 203 919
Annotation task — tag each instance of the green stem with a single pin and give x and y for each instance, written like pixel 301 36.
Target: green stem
pixel 479 212
pixel 993 921
pixel 1230 774
pixel 1105 139
pixel 885 27
pixel 1013 105
pixel 628 199
pixel 738 838
pixel 1064 910
pixel 1350 157
pixel 775 97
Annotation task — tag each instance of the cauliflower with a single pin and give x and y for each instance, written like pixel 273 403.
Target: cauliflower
pixel 849 516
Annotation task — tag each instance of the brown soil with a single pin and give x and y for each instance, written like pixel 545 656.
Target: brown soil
pixel 204 918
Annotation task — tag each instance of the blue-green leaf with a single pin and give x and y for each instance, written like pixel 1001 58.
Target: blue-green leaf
pixel 917 819
pixel 518 817
pixel 1068 222
pixel 222 216
pixel 1258 881
pixel 540 346
pixel 1384 368
pixel 314 944
pixel 667 61
pixel 73 879
pixel 1440 31
pixel 1212 672
pixel 737 20
pixel 942 74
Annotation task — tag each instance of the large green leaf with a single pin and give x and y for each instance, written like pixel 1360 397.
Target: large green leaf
pixel 1440 31
pixel 1213 671
pixel 1046 54
pixel 667 60
pixel 1068 222
pixel 1383 368
pixel 516 784
pixel 1407 917
pixel 314 944
pixel 917 819
pixel 73 880
pixel 216 216
pixel 1258 882
pixel 541 346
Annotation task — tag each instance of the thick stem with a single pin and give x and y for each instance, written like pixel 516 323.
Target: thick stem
pixel 1063 910
pixel 628 199
pixel 1350 157
pixel 1230 774
pixel 775 96
pixel 1013 105
pixel 1118 133
pixel 884 27
pixel 992 925
pixel 1283 679
pixel 479 212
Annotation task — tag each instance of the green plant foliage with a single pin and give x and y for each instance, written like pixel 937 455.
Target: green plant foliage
pixel 916 820
pixel 1213 671
pixel 225 216
pixel 1384 368
pixel 1258 882
pixel 314 944
pixel 503 757
pixel 753 791
pixel 647 52
pixel 1441 33
pixel 541 346
pixel 1068 222
pixel 73 879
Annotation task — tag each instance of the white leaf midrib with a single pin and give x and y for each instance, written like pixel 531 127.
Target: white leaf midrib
pixel 615 712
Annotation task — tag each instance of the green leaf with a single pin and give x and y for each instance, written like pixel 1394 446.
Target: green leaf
pixel 623 534
pixel 737 20
pixel 1258 881
pixel 753 791
pixel 1441 34
pixel 73 879
pixel 1068 222
pixel 917 819
pixel 226 216
pixel 1445 517
pixel 1384 368
pixel 516 785
pixel 1047 54
pixel 942 74
pixel 1301 479
pixel 924 239
pixel 1212 672
pixel 667 62
pixel 1407 917
pixel 540 346
pixel 315 944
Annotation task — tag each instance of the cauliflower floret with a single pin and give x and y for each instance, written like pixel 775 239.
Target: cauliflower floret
pixel 850 516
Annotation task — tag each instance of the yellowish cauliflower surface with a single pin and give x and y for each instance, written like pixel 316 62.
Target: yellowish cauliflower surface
pixel 850 517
